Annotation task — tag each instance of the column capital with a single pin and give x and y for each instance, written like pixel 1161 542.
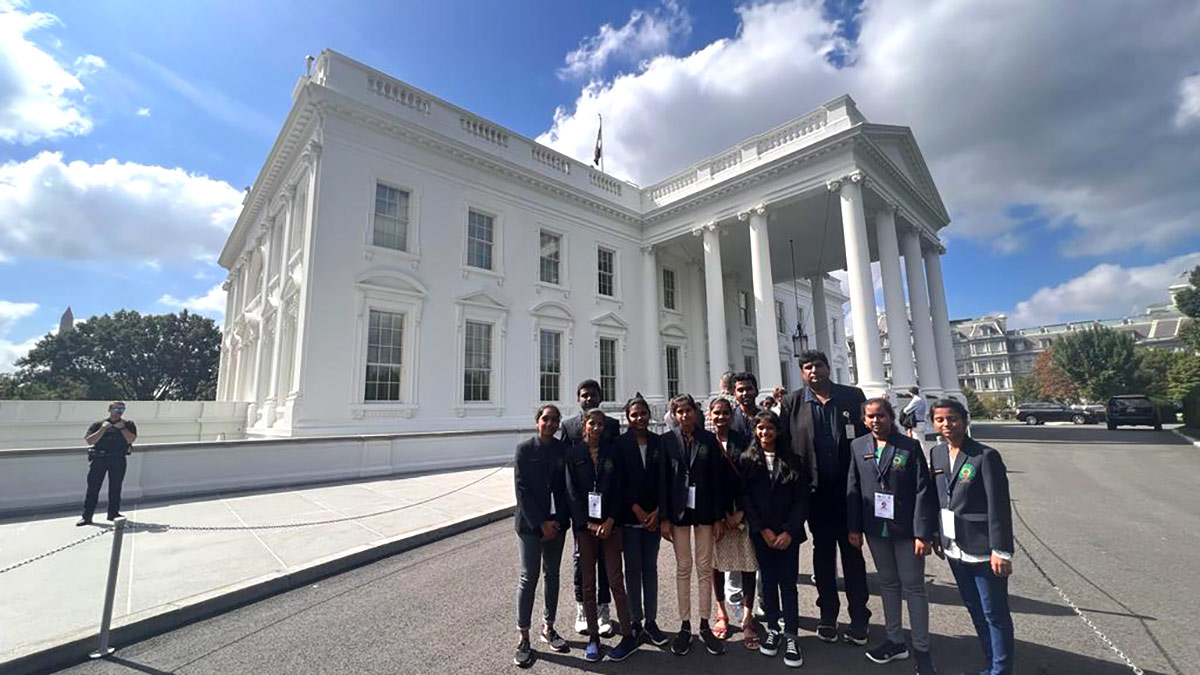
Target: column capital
pixel 710 226
pixel 225 285
pixel 855 176
pixel 756 210
pixel 648 249
pixel 889 206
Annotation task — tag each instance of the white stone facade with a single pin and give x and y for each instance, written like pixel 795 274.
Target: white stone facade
pixel 401 264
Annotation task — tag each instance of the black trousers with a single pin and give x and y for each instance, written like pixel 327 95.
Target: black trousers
pixel 829 538
pixel 114 467
pixel 603 592
pixel 778 570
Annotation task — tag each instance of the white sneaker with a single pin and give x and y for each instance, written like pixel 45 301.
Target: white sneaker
pixel 604 621
pixel 580 619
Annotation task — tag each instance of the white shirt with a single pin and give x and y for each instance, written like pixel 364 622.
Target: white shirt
pixel 770 460
pixel 917 407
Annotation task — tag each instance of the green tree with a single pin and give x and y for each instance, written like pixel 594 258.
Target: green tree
pixel 1152 372
pixel 1100 361
pixel 995 405
pixel 126 355
pixel 975 405
pixel 1025 389
pixel 1052 382
pixel 1188 302
pixel 1183 378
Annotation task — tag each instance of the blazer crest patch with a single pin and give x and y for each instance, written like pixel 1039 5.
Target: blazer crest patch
pixel 899 461
pixel 967 473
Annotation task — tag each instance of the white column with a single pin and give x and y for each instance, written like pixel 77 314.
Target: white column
pixel 929 378
pixel 273 384
pixel 696 351
pixel 941 325
pixel 307 232
pixel 767 335
pixel 868 353
pixel 653 384
pixel 899 335
pixel 820 313
pixel 714 296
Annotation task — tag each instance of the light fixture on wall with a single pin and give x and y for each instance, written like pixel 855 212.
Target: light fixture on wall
pixel 799 339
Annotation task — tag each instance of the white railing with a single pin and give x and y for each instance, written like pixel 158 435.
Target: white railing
pixel 393 90
pixel 551 159
pixel 726 162
pixel 604 182
pixel 791 132
pixel 674 184
pixel 488 132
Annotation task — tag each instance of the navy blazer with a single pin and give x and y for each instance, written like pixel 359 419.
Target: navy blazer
pixel 583 477
pixel 539 472
pixel 703 473
pixel 796 432
pixel 902 472
pixel 976 490
pixel 639 480
pixel 770 501
pixel 730 474
pixel 571 430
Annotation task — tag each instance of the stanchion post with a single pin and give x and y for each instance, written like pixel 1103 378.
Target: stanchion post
pixel 110 590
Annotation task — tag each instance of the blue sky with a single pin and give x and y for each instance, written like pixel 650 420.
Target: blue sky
pixel 1067 157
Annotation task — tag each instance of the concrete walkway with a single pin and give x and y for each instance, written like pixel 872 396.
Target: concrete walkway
pixel 58 599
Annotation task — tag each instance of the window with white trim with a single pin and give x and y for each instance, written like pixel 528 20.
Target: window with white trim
pixel 477 361
pixel 608 369
pixel 606 270
pixel 549 365
pixel 783 372
pixel 780 321
pixel 550 260
pixel 750 361
pixel 391 217
pixel 668 284
pixel 481 239
pixel 673 360
pixel 745 309
pixel 385 356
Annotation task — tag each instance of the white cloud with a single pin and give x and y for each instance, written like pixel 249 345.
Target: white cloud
pixel 143 112
pixel 1189 101
pixel 39 97
pixel 1103 292
pixel 113 210
pixel 10 314
pixel 211 303
pixel 645 34
pixel 1058 105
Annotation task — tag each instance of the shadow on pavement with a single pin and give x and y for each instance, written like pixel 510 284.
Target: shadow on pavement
pixel 1091 435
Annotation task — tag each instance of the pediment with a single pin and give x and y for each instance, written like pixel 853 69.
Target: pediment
pixel 481 299
pixel 552 309
pixel 394 280
pixel 899 145
pixel 673 330
pixel 610 320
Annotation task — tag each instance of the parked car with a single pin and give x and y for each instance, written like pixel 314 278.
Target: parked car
pixel 1040 413
pixel 1131 409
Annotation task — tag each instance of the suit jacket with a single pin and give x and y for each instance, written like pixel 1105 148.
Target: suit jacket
pixel 976 490
pixel 571 430
pixel 639 480
pixel 770 501
pixel 702 472
pixel 902 472
pixel 582 478
pixel 538 473
pixel 730 474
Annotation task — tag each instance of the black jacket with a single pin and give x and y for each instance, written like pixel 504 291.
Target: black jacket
pixel 582 477
pixel 571 430
pixel 976 490
pixel 539 472
pixel 729 474
pixel 770 501
pixel 703 473
pixel 905 475
pixel 639 481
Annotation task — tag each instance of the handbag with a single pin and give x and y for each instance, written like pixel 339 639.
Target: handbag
pixel 908 419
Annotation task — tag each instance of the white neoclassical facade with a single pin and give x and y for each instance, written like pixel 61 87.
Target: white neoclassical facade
pixel 401 264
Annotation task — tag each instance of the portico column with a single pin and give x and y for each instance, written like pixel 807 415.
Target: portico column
pixel 766 332
pixel 868 354
pixel 941 325
pixel 820 314
pixel 714 298
pixel 899 335
pixel 654 386
pixel 930 379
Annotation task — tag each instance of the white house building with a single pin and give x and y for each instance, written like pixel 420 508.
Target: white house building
pixel 401 264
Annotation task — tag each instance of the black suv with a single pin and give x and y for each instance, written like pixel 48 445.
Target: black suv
pixel 1040 413
pixel 1132 409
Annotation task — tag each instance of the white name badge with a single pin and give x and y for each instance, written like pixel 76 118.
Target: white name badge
pixel 948 524
pixel 850 431
pixel 885 506
pixel 553 508
pixel 594 502
pixel 691 500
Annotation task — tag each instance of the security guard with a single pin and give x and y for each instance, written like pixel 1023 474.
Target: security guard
pixel 111 439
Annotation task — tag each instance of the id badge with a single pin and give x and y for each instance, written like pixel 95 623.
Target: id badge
pixel 594 505
pixel 553 508
pixel 691 500
pixel 948 524
pixel 850 431
pixel 885 506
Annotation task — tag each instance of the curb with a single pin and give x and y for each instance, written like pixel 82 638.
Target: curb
pixel 1185 437
pixel 76 651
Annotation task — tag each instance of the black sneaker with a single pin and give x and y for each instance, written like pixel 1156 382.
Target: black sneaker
pixel 83 521
pixel 924 663
pixel 792 656
pixel 887 652
pixel 682 642
pixel 114 516
pixel 654 635
pixel 711 643
pixel 856 635
pixel 556 641
pixel 524 654
pixel 770 644
pixel 827 633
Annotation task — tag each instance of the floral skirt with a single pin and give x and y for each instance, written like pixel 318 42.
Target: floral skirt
pixel 734 552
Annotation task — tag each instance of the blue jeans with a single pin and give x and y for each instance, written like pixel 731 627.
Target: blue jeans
pixel 534 553
pixel 640 550
pixel 986 598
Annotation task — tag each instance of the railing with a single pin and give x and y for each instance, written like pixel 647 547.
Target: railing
pixel 674 184
pixel 484 130
pixel 551 159
pixel 605 182
pixel 393 90
pixel 787 134
pixel 726 162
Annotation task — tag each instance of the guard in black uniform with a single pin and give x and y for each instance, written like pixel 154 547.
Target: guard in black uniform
pixel 111 439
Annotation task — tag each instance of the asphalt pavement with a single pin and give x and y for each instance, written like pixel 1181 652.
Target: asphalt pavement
pixel 1111 517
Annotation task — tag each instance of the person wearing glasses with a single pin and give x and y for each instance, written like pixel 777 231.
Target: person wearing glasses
pixel 111 439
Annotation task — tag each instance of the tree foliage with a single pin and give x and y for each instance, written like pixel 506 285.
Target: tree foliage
pixel 1100 361
pixel 1188 299
pixel 975 405
pixel 1183 377
pixel 1025 389
pixel 125 355
pixel 1154 366
pixel 1052 382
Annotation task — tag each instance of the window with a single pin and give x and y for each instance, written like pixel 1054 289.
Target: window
pixel 783 372
pixel 750 361
pixel 668 288
pixel 672 371
pixel 477 372
pixel 606 266
pixel 745 309
pixel 385 356
pixel 391 218
pixel 481 232
pixel 780 323
pixel 608 369
pixel 550 365
pixel 550 260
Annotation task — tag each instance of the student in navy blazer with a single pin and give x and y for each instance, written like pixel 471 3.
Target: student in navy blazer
pixel 890 499
pixel 733 554
pixel 976 528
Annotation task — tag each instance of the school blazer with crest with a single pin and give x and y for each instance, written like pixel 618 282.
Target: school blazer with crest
pixel 796 432
pixel 902 472
pixel 538 472
pixel 571 431
pixel 704 474
pixel 730 473
pixel 582 477
pixel 976 490
pixel 770 501
pixel 640 481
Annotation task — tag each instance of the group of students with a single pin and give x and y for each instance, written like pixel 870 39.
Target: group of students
pixel 733 497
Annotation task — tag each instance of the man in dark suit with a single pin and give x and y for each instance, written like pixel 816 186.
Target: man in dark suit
pixel 818 423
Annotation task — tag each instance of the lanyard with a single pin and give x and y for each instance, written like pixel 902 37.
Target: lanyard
pixel 881 469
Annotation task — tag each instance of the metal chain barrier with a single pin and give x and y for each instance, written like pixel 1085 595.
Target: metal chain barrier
pixel 1070 603
pixel 60 549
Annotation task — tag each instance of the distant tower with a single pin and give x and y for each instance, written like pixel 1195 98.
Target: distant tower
pixel 67 323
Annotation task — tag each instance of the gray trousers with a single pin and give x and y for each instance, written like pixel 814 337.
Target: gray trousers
pixel 640 550
pixel 534 553
pixel 900 570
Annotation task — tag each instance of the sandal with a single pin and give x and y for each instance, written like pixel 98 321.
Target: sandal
pixel 720 629
pixel 750 636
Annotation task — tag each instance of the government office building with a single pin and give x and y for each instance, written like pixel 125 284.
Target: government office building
pixel 401 264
